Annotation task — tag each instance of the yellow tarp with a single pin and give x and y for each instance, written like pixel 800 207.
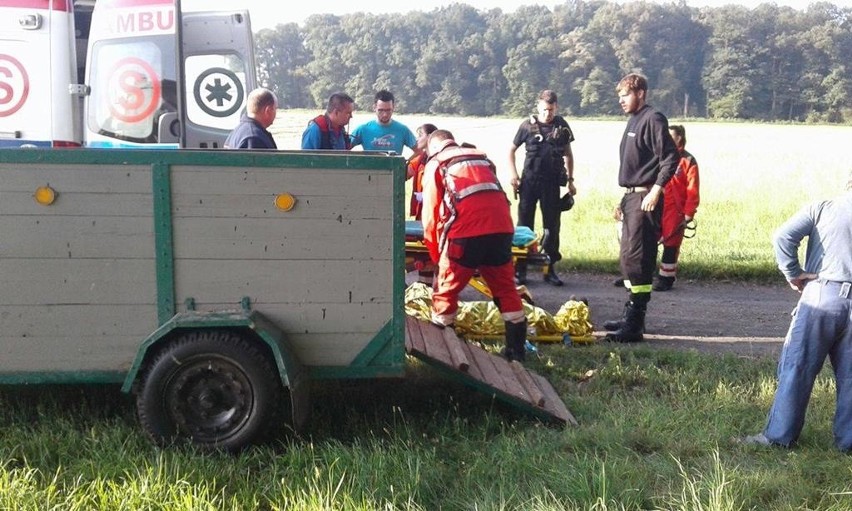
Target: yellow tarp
pixel 482 319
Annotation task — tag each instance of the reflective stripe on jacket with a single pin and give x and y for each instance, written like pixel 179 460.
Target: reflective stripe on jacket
pixel 462 198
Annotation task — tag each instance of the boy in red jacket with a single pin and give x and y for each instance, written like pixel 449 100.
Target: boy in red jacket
pixel 681 200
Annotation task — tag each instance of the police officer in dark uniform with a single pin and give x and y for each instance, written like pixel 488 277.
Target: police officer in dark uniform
pixel 549 164
pixel 649 159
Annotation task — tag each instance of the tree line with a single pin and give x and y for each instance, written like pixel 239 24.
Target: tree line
pixel 767 63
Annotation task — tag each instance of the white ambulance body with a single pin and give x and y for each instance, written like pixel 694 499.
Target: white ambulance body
pixel 150 74
pixel 38 65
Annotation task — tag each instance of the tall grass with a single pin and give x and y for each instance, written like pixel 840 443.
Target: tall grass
pixel 657 431
pixel 753 176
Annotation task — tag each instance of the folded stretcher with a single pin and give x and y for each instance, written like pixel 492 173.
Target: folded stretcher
pixel 525 248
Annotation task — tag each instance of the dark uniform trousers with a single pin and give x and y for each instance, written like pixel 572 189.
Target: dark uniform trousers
pixel 547 192
pixel 639 235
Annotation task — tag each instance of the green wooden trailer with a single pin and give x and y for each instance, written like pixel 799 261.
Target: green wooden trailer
pixel 214 285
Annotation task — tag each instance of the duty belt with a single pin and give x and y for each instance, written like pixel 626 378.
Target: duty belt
pixel 632 189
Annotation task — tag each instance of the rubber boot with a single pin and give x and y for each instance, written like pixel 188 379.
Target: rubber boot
pixel 634 325
pixel 516 338
pixel 614 324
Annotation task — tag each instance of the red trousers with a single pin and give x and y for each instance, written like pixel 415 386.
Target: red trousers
pixel 491 255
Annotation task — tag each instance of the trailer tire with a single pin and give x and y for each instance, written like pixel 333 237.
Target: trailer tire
pixel 212 388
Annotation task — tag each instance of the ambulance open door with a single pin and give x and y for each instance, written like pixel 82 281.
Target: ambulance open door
pixel 218 72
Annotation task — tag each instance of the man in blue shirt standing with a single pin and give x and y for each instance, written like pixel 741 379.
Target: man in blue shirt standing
pixel 822 321
pixel 251 133
pixel 328 130
pixel 384 133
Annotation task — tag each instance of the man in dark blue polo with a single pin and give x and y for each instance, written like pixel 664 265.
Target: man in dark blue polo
pixel 251 132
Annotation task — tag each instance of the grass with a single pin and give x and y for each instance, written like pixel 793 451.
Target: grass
pixel 657 430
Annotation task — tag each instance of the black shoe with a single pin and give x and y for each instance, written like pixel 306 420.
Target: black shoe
pixel 611 325
pixel 663 284
pixel 624 337
pixel 618 282
pixel 632 326
pixel 551 277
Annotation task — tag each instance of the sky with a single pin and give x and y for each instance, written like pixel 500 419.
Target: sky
pixel 268 13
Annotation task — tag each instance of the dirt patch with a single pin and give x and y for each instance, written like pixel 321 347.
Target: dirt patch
pixel 718 317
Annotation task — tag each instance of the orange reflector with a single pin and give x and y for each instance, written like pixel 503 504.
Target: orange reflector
pixel 45 195
pixel 285 201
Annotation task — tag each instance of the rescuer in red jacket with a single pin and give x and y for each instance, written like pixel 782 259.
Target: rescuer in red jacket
pixel 467 227
pixel 680 202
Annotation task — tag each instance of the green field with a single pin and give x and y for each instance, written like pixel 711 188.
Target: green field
pixel 753 176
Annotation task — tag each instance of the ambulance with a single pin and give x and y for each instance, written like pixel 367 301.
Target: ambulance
pixel 121 74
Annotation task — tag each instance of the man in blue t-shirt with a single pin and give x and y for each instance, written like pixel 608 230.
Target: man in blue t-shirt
pixel 383 133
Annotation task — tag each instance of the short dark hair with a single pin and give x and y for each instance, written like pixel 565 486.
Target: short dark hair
pixel 384 95
pixel 548 96
pixel 426 129
pixel 337 100
pixel 632 82
pixel 681 132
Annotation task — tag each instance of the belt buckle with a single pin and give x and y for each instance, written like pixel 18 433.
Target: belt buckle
pixel 844 290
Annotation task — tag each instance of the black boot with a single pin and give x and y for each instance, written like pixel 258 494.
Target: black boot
pixel 516 338
pixel 551 277
pixel 520 274
pixel 663 284
pixel 633 327
pixel 614 324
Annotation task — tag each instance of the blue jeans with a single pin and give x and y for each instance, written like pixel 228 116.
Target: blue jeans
pixel 821 326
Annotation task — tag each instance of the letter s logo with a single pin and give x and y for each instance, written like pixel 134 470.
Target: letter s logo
pixel 133 97
pixel 6 91
pixel 135 90
pixel 14 85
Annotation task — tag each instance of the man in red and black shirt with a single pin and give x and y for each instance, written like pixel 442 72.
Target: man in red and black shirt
pixel 467 227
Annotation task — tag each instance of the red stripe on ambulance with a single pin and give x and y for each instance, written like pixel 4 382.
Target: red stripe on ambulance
pixel 56 5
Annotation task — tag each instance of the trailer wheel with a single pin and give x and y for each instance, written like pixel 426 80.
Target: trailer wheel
pixel 212 388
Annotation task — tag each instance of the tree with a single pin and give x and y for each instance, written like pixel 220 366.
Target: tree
pixel 281 60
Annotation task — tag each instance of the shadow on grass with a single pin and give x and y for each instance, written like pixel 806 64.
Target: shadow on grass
pixel 727 270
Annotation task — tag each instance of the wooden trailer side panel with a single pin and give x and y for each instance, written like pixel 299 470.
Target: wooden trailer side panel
pixel 133 238
pixel 76 286
pixel 321 271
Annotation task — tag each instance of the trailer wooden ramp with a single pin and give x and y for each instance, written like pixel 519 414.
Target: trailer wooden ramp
pixel 492 374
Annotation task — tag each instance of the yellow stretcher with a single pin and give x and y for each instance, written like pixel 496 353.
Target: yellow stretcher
pixel 525 248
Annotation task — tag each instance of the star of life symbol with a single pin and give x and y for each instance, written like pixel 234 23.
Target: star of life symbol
pixel 218 92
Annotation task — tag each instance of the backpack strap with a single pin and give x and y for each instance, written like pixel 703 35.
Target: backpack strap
pixel 325 133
